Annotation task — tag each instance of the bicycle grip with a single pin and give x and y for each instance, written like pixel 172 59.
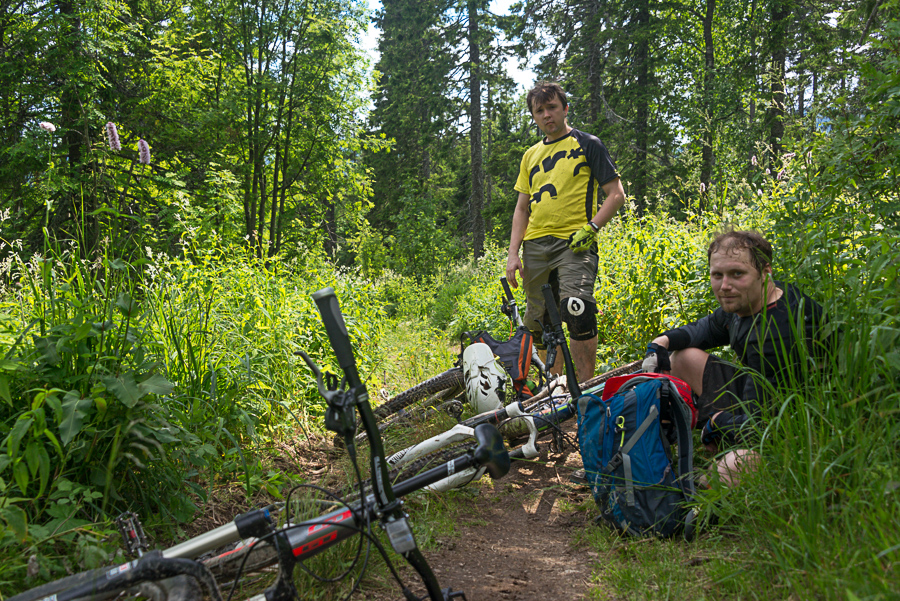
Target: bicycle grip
pixel 327 302
pixel 550 302
pixel 506 289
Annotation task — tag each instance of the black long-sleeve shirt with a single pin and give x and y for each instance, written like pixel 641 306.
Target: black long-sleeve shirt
pixel 776 342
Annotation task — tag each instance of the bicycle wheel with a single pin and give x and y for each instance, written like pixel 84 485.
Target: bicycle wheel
pixel 596 380
pixel 413 468
pixel 64 584
pixel 448 384
pixel 432 392
pixel 179 588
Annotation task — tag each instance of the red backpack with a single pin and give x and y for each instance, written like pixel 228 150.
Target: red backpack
pixel 684 391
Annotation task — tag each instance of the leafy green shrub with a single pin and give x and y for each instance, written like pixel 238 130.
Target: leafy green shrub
pixel 138 388
pixel 403 297
pixel 81 385
pixel 479 307
pixel 652 276
pixel 83 418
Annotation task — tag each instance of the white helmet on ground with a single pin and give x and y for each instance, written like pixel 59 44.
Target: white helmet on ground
pixel 485 378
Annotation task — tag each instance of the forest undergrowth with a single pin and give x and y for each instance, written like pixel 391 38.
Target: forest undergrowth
pixel 143 381
pixel 180 374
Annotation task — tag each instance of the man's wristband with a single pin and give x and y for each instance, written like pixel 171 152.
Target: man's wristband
pixel 594 226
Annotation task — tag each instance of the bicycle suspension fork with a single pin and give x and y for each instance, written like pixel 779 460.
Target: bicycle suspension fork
pixel 558 339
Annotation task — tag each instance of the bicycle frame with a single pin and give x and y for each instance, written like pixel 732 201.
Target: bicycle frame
pixel 298 542
pixel 537 422
pixel 517 319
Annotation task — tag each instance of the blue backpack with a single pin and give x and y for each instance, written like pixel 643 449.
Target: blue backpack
pixel 626 441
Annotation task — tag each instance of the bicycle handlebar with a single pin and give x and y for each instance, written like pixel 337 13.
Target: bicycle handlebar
pixel 314 536
pixel 506 289
pixel 391 514
pixel 327 302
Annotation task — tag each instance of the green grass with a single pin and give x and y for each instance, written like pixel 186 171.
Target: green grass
pixel 412 352
pixel 208 341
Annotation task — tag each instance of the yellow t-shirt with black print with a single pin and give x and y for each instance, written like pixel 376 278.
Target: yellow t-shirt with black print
pixel 564 179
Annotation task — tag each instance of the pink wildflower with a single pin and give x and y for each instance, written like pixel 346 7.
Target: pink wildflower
pixel 781 175
pixel 144 150
pixel 47 126
pixel 753 160
pixel 702 187
pixel 790 155
pixel 809 155
pixel 759 192
pixel 113 136
pixel 768 172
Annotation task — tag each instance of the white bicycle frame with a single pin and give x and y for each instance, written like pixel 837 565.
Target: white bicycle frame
pixel 460 433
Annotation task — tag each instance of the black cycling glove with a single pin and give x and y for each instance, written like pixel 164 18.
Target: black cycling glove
pixel 656 360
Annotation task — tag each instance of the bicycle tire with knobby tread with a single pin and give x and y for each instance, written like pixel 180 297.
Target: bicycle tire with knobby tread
pixel 450 379
pixel 426 462
pixel 178 588
pixel 63 584
pixel 442 386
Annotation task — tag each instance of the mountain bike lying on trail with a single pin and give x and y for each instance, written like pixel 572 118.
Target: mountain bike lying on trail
pixel 445 392
pixel 540 418
pixel 183 572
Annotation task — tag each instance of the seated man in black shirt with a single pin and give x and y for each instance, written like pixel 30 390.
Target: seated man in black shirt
pixel 767 323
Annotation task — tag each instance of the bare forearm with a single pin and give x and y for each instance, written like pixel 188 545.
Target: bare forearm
pixel 519 225
pixel 662 341
pixel 609 208
pixel 615 198
pixel 517 234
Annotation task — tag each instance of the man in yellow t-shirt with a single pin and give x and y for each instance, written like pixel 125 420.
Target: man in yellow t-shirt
pixel 556 220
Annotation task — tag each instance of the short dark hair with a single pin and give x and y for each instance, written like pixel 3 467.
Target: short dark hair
pixel 730 240
pixel 545 91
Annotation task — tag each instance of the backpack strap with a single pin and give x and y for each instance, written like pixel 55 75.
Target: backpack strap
pixel 652 414
pixel 682 417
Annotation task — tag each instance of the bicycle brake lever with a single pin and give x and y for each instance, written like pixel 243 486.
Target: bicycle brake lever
pixel 339 417
pixel 320 380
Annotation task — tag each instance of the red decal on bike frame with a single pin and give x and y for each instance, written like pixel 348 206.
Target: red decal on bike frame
pixel 315 544
pixel 330 537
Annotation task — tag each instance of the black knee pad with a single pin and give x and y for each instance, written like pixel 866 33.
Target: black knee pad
pixel 581 317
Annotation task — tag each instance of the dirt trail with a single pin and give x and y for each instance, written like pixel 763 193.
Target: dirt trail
pixel 514 543
pixel 520 547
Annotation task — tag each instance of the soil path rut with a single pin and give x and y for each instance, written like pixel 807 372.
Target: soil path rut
pixel 521 544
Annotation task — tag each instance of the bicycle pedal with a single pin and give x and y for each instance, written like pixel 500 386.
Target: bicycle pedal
pixel 133 537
